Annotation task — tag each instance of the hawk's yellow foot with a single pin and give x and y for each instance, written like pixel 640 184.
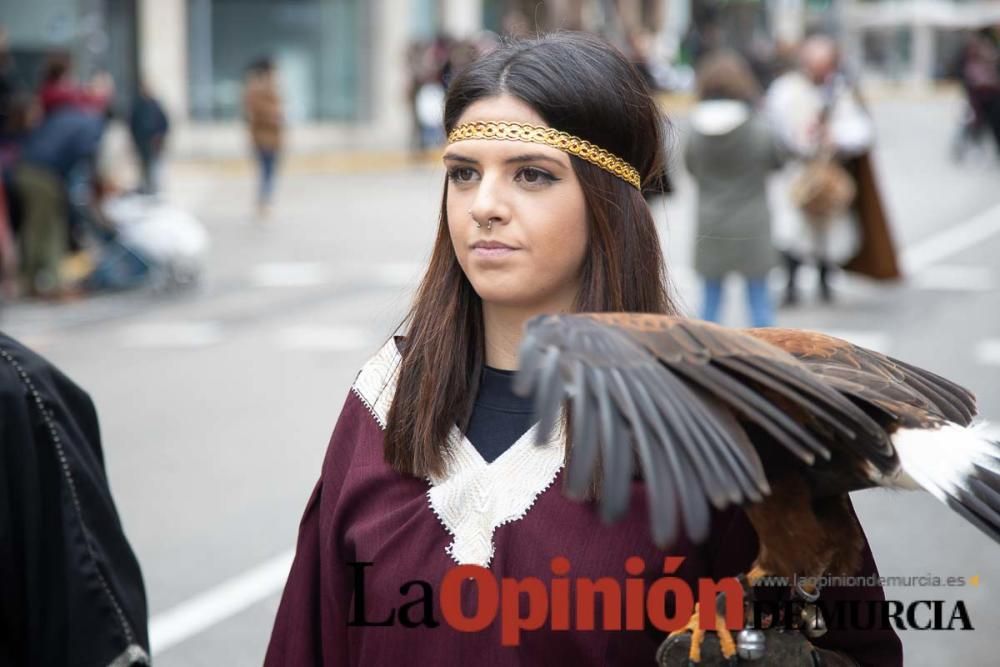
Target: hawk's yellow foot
pixel 726 642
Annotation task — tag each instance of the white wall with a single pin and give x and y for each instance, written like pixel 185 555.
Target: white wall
pixel 462 18
pixel 163 53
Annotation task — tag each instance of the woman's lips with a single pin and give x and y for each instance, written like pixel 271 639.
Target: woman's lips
pixel 494 251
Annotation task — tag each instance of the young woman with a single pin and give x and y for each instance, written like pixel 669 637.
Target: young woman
pixel 433 463
pixel 730 152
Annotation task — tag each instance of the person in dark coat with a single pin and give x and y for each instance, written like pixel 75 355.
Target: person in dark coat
pixel 149 125
pixel 72 591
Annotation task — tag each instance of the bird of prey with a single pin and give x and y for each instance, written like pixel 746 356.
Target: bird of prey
pixel 782 422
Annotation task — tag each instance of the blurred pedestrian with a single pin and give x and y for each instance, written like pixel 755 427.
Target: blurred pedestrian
pixel 265 117
pixel 703 36
pixel 8 98
pixel 435 73
pixel 429 105
pixel 149 125
pixel 979 72
pixel 8 79
pixel 8 249
pixel 414 77
pixel 730 152
pixel 72 590
pixel 821 119
pixel 639 48
pixel 22 113
pixel 62 146
pixel 59 88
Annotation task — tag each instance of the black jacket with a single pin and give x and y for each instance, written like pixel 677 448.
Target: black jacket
pixel 71 591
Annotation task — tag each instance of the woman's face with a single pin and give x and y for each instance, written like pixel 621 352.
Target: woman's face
pixel 533 255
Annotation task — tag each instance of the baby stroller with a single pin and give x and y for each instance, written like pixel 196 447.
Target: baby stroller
pixel 147 242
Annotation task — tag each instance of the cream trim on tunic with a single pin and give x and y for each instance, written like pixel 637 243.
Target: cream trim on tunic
pixel 473 498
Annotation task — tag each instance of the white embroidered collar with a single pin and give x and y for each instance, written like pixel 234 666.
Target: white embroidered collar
pixel 473 498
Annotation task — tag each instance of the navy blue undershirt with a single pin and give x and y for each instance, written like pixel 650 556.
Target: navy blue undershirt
pixel 499 417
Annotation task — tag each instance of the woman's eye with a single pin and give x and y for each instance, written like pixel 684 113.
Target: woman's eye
pixel 535 176
pixel 461 174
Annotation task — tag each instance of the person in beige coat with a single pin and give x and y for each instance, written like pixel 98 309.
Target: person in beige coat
pixel 265 119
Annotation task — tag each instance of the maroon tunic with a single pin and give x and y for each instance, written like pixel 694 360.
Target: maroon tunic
pixel 504 515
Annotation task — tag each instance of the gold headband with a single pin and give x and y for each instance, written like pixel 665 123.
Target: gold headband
pixel 551 137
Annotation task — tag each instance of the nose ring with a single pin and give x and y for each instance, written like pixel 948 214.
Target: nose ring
pixel 479 225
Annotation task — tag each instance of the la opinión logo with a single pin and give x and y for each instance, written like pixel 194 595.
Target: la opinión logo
pixel 572 604
pixel 553 606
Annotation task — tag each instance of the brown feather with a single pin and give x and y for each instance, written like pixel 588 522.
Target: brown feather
pixel 916 396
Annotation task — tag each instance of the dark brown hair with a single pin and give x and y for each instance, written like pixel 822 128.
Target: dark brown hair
pixel 57 65
pixel 725 75
pixel 581 85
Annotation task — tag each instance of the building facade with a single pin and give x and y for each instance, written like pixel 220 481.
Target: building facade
pixel 343 62
pixel 914 41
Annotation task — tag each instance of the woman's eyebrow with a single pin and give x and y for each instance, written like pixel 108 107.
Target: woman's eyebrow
pixel 455 157
pixel 526 157
pixel 533 157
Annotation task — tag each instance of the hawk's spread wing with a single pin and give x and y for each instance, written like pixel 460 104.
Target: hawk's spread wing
pixel 680 390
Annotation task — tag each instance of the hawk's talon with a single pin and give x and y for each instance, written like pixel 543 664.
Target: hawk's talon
pixel 727 645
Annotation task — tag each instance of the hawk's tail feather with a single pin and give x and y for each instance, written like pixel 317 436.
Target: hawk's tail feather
pixel 958 465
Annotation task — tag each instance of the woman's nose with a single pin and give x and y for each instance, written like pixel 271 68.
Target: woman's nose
pixel 489 206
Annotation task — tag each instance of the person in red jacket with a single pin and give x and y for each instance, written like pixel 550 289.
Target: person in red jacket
pixel 59 89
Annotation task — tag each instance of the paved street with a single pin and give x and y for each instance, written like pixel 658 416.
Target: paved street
pixel 216 404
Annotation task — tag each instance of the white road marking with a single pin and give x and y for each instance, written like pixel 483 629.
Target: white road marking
pixel 988 351
pixel 290 274
pixel 873 340
pixel 171 334
pixel 204 610
pixel 956 277
pixel 334 339
pixel 951 240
